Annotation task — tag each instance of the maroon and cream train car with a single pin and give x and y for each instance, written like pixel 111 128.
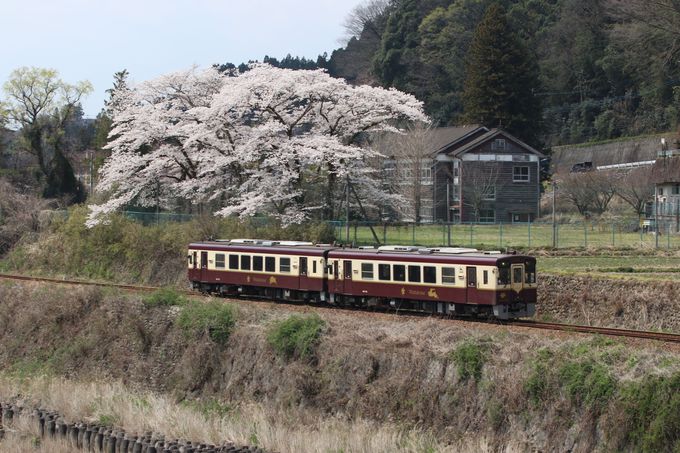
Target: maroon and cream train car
pixel 445 280
pixel 277 269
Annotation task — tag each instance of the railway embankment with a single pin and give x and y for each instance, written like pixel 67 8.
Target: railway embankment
pixel 610 302
pixel 447 385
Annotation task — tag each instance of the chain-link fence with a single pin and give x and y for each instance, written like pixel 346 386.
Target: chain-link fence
pixel 631 234
pixel 533 235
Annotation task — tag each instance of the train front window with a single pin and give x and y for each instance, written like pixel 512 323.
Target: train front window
pixel 530 272
pixel 219 260
pixel 504 274
pixel 399 272
pixel 384 272
pixel 517 274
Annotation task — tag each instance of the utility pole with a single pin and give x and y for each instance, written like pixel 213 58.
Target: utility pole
pixel 554 220
pixel 656 218
pixel 347 211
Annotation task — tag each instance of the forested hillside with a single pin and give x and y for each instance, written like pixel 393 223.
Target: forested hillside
pixel 596 69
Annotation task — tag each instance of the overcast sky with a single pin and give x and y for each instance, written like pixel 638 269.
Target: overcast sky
pixel 92 39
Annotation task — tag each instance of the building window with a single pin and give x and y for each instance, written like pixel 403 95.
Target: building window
pixel 489 193
pixel 426 172
pixel 384 272
pixel 498 145
pixel 487 216
pixel 367 271
pixel 219 261
pixel 284 264
pixel 520 174
pixel 233 261
pixel 270 264
pixel 676 189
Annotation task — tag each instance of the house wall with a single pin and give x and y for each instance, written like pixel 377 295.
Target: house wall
pixel 514 200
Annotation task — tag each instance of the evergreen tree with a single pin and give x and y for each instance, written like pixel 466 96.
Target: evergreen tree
pixel 501 78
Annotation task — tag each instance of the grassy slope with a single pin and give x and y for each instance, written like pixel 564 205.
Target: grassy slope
pixel 476 387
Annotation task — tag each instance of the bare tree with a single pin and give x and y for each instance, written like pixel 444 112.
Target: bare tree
pixel 365 17
pixel 480 185
pixel 589 192
pixel 636 188
pixel 19 214
pixel 408 168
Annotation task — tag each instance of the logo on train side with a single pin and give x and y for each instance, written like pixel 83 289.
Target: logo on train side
pixel 248 278
pixel 403 291
pixel 433 293
pixel 272 280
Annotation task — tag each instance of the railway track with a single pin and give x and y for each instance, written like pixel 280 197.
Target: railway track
pixel 608 331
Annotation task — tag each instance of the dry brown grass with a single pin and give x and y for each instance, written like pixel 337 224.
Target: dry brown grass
pixel 22 436
pixel 247 424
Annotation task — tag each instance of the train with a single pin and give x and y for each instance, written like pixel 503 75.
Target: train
pixel 445 280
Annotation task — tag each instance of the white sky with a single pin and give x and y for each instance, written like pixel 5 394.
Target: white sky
pixel 92 39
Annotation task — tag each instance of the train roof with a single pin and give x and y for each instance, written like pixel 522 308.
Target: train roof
pixel 384 253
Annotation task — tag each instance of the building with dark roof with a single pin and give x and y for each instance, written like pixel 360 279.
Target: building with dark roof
pixel 478 174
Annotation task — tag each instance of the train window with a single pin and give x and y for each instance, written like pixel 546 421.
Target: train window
pixel 257 263
pixel 399 271
pixel 313 266
pixel 517 275
pixel 449 275
pixel 429 274
pixel 270 264
pixel 503 274
pixel 245 262
pixel 414 274
pixel 284 264
pixel 367 271
pixel 219 260
pixel 485 277
pixel 384 272
pixel 233 262
pixel 190 259
pixel 530 272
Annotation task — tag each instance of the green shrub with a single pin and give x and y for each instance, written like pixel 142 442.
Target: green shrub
pixel 652 408
pixel 296 336
pixel 587 382
pixel 214 317
pixel 164 297
pixel 469 358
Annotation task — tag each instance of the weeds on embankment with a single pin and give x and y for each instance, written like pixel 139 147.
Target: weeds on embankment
pixel 468 383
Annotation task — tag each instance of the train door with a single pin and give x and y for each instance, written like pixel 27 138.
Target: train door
pixel 194 261
pixel 471 281
pixel 517 277
pixel 304 284
pixel 346 282
pixel 204 266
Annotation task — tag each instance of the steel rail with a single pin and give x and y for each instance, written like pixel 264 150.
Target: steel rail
pixel 609 331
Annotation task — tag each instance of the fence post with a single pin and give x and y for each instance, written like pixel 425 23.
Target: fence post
pixel 448 233
pixel 668 235
pixel 470 234
pixel 613 231
pixel 500 235
pixel 585 234
pixel 413 234
pixel 529 231
pixel 384 232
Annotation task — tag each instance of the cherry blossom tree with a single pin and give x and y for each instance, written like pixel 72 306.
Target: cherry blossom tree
pixel 266 141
